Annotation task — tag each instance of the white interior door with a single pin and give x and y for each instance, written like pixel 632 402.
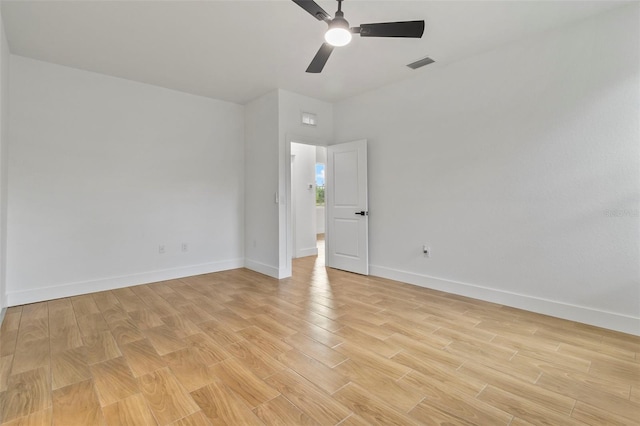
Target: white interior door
pixel 347 207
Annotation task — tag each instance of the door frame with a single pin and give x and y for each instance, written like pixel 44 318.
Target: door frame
pixel 292 206
pixel 289 138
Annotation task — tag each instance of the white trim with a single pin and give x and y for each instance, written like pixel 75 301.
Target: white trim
pixel 312 251
pixel 609 320
pixel 262 268
pixel 3 311
pixel 92 286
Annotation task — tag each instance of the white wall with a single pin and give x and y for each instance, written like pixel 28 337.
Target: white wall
pixel 272 122
pixel 104 170
pixel 520 168
pixel 320 219
pixel 4 143
pixel 303 159
pixel 291 106
pixel 321 157
pixel 261 177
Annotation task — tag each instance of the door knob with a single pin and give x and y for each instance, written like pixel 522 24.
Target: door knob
pixel 363 213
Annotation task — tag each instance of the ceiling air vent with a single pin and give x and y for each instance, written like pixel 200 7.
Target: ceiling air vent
pixel 420 63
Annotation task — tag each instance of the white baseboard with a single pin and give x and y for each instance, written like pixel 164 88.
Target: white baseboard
pixel 312 251
pixel 74 289
pixel 3 311
pixel 262 268
pixel 268 270
pixel 609 320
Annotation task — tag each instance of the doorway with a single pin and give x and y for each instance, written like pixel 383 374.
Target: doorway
pixel 346 211
pixel 308 163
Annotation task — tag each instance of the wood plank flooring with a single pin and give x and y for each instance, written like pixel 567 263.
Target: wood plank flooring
pixel 322 348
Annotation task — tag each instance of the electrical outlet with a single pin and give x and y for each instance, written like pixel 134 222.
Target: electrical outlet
pixel 426 250
pixel 161 249
pixel 185 247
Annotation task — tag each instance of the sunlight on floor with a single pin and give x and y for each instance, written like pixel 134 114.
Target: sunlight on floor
pixel 319 270
pixel 320 282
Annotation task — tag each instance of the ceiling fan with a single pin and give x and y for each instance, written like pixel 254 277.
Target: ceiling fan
pixel 339 33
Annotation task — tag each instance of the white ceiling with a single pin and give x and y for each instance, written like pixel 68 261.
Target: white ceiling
pixel 238 50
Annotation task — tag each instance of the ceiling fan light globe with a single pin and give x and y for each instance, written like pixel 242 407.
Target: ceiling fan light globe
pixel 338 36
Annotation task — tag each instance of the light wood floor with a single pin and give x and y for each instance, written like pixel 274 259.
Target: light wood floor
pixel 322 348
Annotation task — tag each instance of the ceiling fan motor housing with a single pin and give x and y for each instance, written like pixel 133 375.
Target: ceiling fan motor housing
pixel 339 21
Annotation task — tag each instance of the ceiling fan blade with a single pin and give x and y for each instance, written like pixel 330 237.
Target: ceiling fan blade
pixel 320 59
pixel 412 29
pixel 313 9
